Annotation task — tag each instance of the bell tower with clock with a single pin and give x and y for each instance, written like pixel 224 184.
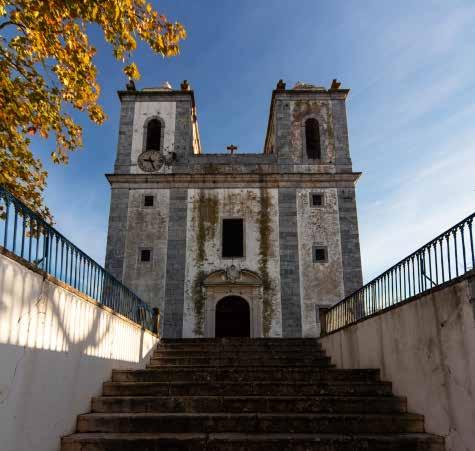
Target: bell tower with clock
pixel 157 127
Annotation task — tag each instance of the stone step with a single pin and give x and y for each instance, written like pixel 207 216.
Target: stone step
pixel 250 423
pixel 234 360
pixel 276 388
pixel 247 395
pixel 240 343
pixel 245 373
pixel 240 346
pixel 299 341
pixel 242 404
pixel 277 352
pixel 253 442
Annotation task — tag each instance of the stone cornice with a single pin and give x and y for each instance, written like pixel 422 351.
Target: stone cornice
pixel 291 94
pixel 270 180
pixel 173 95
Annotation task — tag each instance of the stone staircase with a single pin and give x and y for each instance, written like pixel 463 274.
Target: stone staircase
pixel 248 394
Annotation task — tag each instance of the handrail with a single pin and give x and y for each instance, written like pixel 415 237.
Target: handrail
pixel 446 257
pixel 31 238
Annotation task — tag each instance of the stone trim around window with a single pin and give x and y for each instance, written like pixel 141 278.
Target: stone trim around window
pixel 162 132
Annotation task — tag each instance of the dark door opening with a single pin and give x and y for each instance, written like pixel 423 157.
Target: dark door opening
pixel 233 318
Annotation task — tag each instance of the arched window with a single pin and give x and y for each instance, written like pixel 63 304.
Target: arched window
pixel 154 134
pixel 312 139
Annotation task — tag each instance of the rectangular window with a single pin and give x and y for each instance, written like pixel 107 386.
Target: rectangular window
pixel 145 255
pixel 316 200
pixel 148 201
pixel 320 254
pixel 233 238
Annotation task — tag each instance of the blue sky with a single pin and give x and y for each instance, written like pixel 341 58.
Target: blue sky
pixel 410 67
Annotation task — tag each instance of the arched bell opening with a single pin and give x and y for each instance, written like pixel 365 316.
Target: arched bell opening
pixel 233 317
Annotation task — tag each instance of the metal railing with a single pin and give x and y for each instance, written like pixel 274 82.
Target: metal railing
pixel 28 236
pixel 445 258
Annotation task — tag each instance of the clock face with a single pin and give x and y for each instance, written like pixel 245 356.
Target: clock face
pixel 150 161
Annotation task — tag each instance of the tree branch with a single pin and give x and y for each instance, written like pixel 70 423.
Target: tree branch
pixel 16 24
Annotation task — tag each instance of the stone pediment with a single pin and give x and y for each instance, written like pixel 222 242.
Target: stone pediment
pixel 233 275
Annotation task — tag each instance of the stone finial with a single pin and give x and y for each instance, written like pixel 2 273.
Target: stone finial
pixel 280 85
pixel 130 86
pixel 335 85
pixel 185 86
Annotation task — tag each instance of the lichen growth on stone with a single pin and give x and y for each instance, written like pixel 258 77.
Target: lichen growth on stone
pixel 265 230
pixel 199 301
pixel 205 215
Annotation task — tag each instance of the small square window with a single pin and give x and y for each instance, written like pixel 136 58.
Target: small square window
pixel 145 255
pixel 148 201
pixel 316 200
pixel 320 254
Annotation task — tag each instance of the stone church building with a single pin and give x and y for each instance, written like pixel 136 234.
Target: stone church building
pixel 235 244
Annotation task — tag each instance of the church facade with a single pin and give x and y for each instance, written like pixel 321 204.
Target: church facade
pixel 235 244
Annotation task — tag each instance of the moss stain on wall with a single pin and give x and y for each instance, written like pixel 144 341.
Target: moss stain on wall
pixel 206 215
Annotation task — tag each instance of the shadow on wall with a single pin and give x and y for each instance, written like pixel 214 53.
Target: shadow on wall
pixel 426 347
pixel 56 350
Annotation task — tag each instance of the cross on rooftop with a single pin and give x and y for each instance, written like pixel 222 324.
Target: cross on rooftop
pixel 231 149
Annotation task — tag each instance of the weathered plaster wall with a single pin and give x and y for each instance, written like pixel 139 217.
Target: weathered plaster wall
pixel 143 111
pixel 206 209
pixel 147 228
pixel 56 350
pixel 426 347
pixel 301 110
pixel 321 283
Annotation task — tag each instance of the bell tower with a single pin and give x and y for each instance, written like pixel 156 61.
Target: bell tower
pixel 308 126
pixel 165 116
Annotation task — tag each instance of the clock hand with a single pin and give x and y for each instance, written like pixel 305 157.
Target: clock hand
pixel 150 160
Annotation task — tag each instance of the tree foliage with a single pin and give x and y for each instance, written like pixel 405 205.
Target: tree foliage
pixel 47 67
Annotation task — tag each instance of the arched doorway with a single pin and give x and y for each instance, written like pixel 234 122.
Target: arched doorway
pixel 233 317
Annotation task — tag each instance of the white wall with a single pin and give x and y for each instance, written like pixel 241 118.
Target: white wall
pixel 56 350
pixel 426 348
